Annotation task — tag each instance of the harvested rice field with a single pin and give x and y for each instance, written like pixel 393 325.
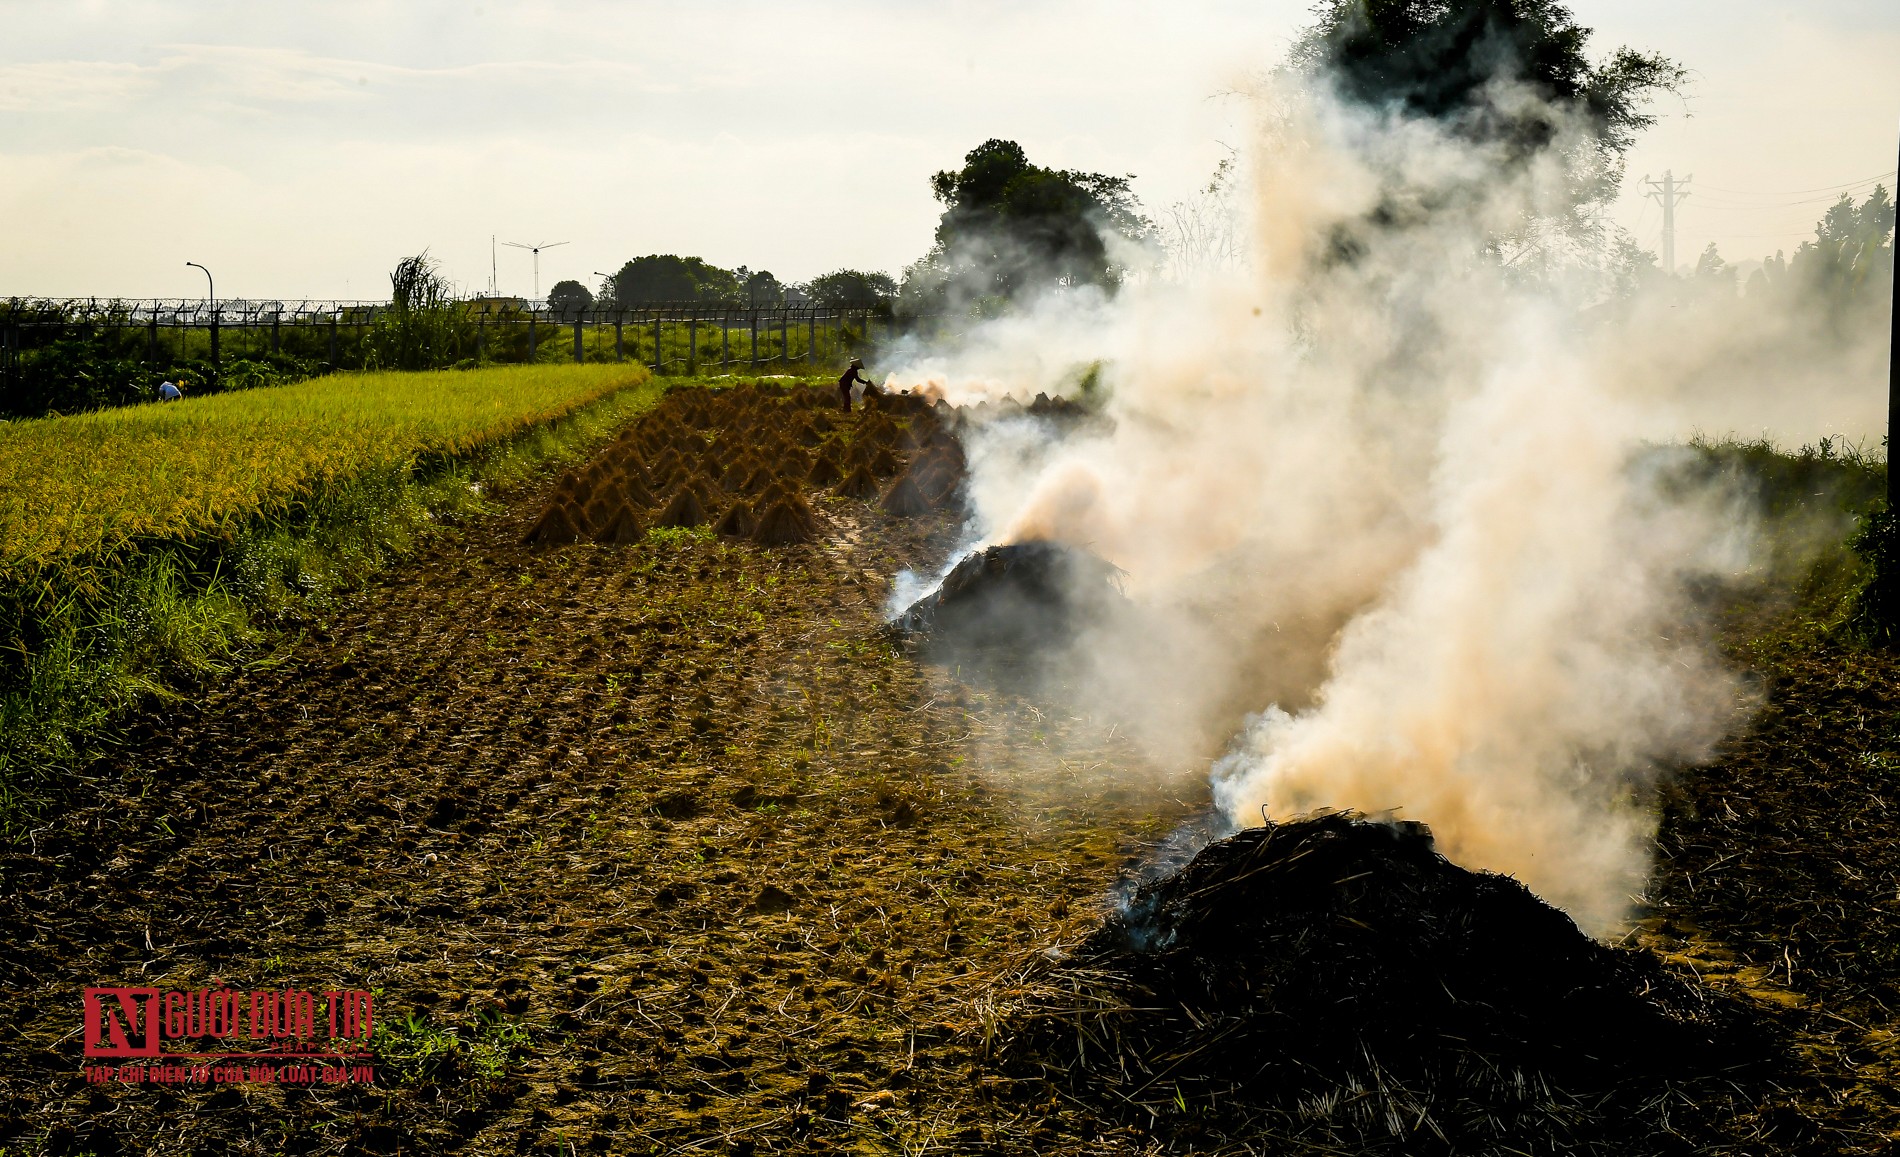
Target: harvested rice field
pixel 648 837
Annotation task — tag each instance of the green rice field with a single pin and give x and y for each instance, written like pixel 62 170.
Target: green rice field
pixel 88 485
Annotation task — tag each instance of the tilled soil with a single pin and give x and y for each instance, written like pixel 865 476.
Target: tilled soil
pixel 1779 876
pixel 662 848
pixel 654 848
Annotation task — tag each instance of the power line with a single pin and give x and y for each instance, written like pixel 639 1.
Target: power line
pixel 1888 175
pixel 1809 232
pixel 1701 204
pixel 1767 206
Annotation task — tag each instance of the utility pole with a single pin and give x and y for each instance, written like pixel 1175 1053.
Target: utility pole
pixel 536 250
pixel 494 269
pixel 1893 383
pixel 1668 193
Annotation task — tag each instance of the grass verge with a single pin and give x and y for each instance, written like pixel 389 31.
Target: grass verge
pixel 1808 508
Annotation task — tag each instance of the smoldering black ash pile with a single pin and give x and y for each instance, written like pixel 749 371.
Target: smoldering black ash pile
pixel 1337 982
pixel 1020 597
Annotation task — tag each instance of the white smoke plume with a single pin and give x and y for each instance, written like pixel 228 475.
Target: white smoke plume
pixel 1398 527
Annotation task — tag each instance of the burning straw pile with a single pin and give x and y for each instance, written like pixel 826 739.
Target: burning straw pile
pixel 1021 595
pixel 1337 982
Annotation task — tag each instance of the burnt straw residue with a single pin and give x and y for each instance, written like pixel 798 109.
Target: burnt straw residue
pixel 1337 981
pixel 1022 595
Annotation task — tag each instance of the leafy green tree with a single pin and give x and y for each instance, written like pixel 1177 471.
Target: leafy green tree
pixel 1847 271
pixel 1010 227
pixel 852 289
pixel 1440 59
pixel 760 289
pixel 1766 279
pixel 664 277
pixel 1711 269
pixel 1850 260
pixel 1449 61
pixel 570 298
pixel 1844 273
pixel 1632 268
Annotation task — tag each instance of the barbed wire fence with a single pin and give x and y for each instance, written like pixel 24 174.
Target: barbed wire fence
pixel 668 337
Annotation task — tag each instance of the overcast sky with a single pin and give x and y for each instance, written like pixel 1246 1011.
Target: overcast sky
pixel 301 150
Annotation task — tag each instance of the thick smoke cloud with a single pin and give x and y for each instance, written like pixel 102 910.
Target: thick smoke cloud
pixel 1399 520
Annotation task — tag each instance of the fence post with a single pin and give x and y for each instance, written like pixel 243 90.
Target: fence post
pixel 333 365
pixel 214 341
pixel 785 337
pixel 577 339
pixel 692 344
pixel 811 340
pixel 276 339
pixel 754 315
pixel 533 345
pixel 151 334
pixel 725 342
pixel 658 364
pixel 619 350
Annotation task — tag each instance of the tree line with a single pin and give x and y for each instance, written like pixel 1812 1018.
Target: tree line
pixel 670 278
pixel 1010 228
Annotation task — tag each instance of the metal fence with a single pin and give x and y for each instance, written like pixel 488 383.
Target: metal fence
pixel 667 336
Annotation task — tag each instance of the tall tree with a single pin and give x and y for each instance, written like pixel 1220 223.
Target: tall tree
pixel 1010 227
pixel 666 277
pixel 570 298
pixel 852 289
pixel 1850 260
pixel 759 288
pixel 1469 65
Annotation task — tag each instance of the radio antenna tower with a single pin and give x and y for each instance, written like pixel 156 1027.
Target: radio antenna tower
pixel 536 250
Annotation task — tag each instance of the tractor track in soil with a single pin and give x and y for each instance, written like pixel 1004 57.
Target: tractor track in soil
pixel 674 814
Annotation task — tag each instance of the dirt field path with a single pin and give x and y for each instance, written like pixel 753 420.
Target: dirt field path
pixel 655 848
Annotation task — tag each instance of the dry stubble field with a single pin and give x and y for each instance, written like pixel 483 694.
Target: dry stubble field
pixel 683 853
pixel 662 848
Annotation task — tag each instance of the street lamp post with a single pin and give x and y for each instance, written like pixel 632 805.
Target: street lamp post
pixel 619 348
pixel 212 289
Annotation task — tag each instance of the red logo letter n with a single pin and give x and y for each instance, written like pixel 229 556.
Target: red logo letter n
pixel 115 1016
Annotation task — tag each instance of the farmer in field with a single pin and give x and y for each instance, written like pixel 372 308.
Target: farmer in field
pixel 851 377
pixel 168 392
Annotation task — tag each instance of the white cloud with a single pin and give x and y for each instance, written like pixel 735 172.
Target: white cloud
pixel 317 142
pixel 50 87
